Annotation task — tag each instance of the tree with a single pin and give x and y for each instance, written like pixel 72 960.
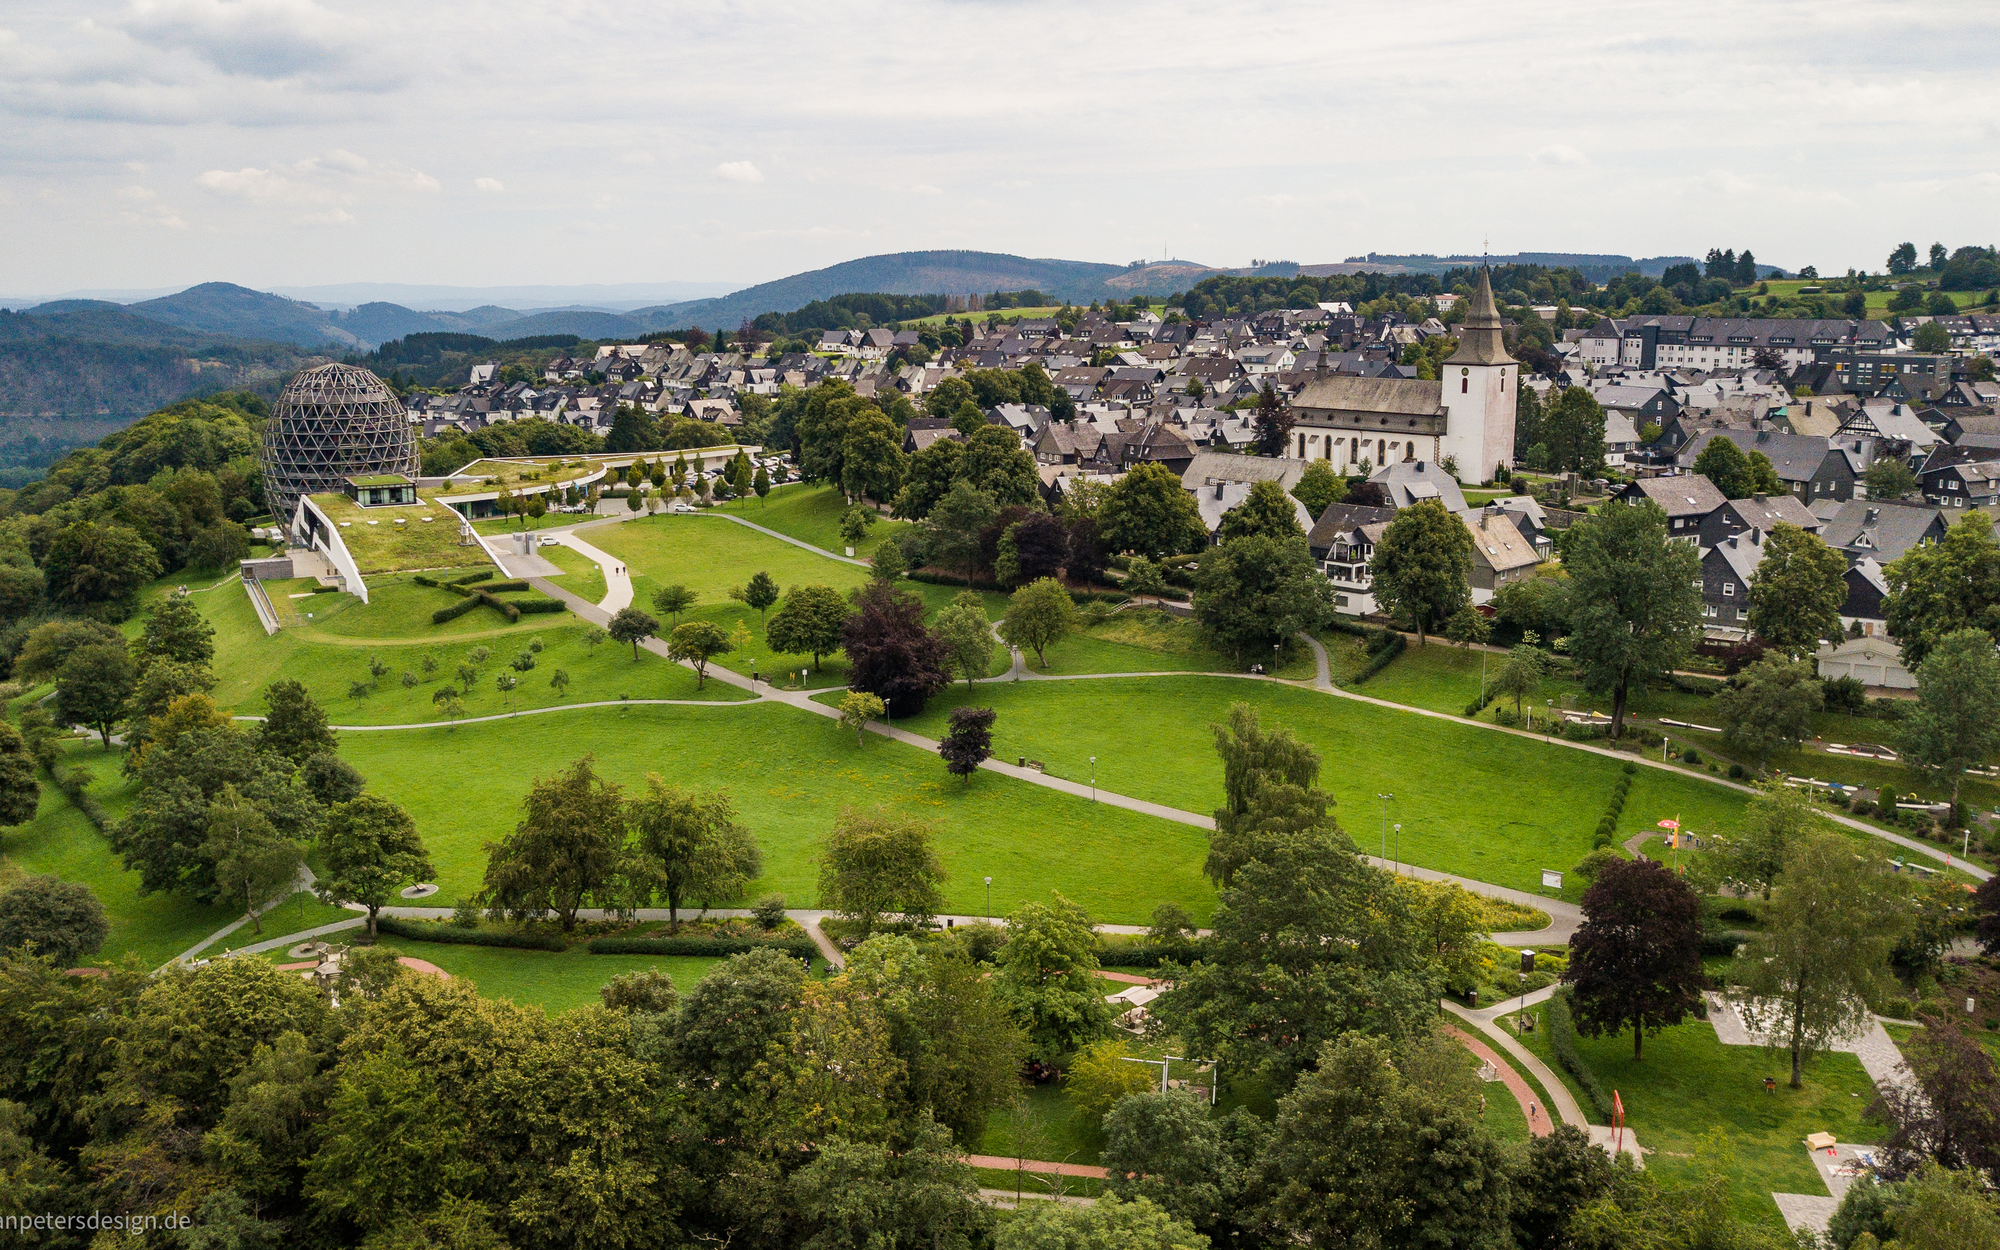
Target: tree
pixel 1267 511
pixel 854 524
pixel 696 643
pixel 1422 568
pixel 1636 959
pixel 1039 615
pixel 634 626
pixel 1450 926
pixel 1254 594
pixel 761 483
pixel 1565 1172
pixel 886 563
pixel 1319 488
pixel 674 600
pixel 101 566
pixel 1573 429
pixel 1308 943
pixel 967 635
pixel 1722 462
pixel 1770 704
pixel 294 725
pixel 995 463
pixel 956 521
pixel 1037 546
pixel 929 474
pixel 874 864
pixel 1521 676
pixel 631 430
pixel 857 708
pixel 1832 921
pixel 890 653
pixel 1364 1155
pixel 863 1195
pixel 760 593
pixel 1099 1076
pixel 569 846
pixel 1274 423
pixel 49 645
pixel 1796 591
pixel 1950 1113
pixel 92 688
pixel 1109 1225
pixel 1048 977
pixel 331 780
pixel 969 742
pixel 20 793
pixel 1148 512
pixel 1930 336
pixel 809 623
pixel 1889 478
pixel 175 631
pixel 1633 609
pixel 1168 1149
pixel 1940 588
pixel 693 845
pixel 253 862
pixel 1955 724
pixel 369 848
pixel 1256 761
pixel 60 919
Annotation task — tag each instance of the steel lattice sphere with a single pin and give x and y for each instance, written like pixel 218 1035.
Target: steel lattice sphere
pixel 332 422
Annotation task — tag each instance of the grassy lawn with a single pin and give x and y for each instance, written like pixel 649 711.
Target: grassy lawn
pixel 790 775
pixel 525 523
pixel 296 914
pixel 1048 1125
pixel 1140 640
pixel 811 514
pixel 581 575
pixel 1690 1084
pixel 555 981
pixel 398 608
pixel 1878 301
pixel 246 661
pixel 1505 808
pixel 428 537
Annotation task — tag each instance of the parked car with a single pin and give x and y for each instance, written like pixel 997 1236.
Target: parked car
pixel 550 540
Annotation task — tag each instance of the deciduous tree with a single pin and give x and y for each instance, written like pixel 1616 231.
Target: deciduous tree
pixel 634 626
pixel 760 593
pixel 1796 591
pixel 1633 608
pixel 1319 488
pixel 295 725
pixel 1955 724
pixel 1039 615
pixel 874 864
pixel 969 741
pixel 568 846
pixel 696 643
pixel 1148 512
pixel 692 845
pixel 891 654
pixel 60 919
pixel 253 862
pixel 1048 977
pixel 809 622
pixel 1267 511
pixel 1770 704
pixel 1940 588
pixel 1722 462
pixel 967 636
pixel 369 849
pixel 674 600
pixel 857 708
pixel 1636 959
pixel 1422 568
pixel 93 686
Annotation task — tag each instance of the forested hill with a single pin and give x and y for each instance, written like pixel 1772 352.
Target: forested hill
pixel 72 375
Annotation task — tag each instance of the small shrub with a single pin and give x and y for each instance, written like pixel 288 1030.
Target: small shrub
pixel 769 911
pixel 1690 756
pixel 466 914
pixel 1736 772
pixel 523 662
pixel 535 644
pixel 359 689
pixel 409 679
pixel 506 682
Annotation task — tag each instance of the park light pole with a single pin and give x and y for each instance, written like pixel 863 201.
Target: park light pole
pixel 1396 864
pixel 1275 648
pixel 1093 779
pixel 989 899
pixel 1385 822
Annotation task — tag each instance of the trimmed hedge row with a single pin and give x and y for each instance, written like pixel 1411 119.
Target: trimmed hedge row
pixel 451 935
pixel 504 587
pixel 1147 956
pixel 468 578
pixel 1562 1040
pixel 453 612
pixel 1607 824
pixel 541 605
pixel 797 948
pixel 1383 649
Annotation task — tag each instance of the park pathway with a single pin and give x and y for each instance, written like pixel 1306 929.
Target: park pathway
pixel 1531 1108
pixel 1560 1099
pixel 617 583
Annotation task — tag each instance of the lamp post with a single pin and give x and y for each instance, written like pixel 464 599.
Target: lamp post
pixel 989 899
pixel 1093 779
pixel 1275 648
pixel 1385 822
pixel 1396 864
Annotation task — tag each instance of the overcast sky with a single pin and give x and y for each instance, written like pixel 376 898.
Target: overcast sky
pixel 285 142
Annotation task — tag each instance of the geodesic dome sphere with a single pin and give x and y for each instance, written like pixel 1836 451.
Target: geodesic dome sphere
pixel 333 422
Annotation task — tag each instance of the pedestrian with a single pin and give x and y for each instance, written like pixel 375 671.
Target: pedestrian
pixel 1533 1110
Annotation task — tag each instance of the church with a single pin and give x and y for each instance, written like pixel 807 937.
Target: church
pixel 1464 421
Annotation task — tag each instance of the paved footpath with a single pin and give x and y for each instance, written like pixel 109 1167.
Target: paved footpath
pixel 1538 1116
pixel 1560 1099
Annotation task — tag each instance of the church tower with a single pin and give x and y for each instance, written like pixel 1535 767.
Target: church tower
pixel 1478 384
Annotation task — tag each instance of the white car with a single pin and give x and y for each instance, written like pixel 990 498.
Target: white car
pixel 550 540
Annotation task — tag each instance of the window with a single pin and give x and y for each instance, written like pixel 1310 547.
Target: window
pixel 1729 588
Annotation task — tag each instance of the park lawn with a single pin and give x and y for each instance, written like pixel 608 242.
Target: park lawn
pixel 810 513
pixel 526 524
pixel 246 661
pixel 1142 640
pixel 1852 770
pixel 1690 1085
pixel 580 576
pixel 1046 1124
pixel 1503 1116
pixel 1506 807
pixel 555 980
pixel 428 537
pixel 298 913
pixel 790 774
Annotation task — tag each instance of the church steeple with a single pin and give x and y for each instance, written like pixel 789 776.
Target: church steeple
pixel 1481 340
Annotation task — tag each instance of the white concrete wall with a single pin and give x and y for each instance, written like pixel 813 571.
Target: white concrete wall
pixel 328 540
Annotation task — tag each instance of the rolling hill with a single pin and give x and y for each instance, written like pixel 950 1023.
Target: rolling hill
pixel 225 308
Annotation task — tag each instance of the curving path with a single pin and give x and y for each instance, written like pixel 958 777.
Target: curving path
pixel 617 583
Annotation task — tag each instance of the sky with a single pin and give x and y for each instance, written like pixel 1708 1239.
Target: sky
pixel 159 143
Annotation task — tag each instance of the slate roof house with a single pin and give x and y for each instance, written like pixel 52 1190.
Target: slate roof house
pixel 1686 498
pixel 1880 530
pixel 1409 481
pixel 1811 468
pixel 1758 512
pixel 1500 553
pixel 1342 542
pixel 1726 570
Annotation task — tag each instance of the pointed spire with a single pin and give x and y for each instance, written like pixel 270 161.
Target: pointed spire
pixel 1482 338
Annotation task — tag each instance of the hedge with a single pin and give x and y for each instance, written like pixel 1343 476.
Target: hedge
pixel 421 580
pixel 453 612
pixel 1147 956
pixel 1562 1040
pixel 504 587
pixel 1607 825
pixel 542 605
pixel 1382 651
pixel 451 935
pixel 469 578
pixel 797 948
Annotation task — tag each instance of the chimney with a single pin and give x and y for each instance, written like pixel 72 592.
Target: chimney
pixel 1869 517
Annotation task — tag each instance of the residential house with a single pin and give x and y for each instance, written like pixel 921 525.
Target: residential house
pixel 1758 512
pixel 1207 468
pixel 1530 518
pixel 1217 499
pixel 1962 483
pixel 1409 481
pixel 1342 542
pixel 1686 498
pixel 1811 468
pixel 1879 530
pixel 1872 661
pixel 1500 552
pixel 1726 570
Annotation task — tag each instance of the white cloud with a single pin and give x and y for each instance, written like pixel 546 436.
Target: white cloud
pixel 255 38
pixel 1559 154
pixel 329 184
pixel 925 188
pixel 740 171
pixel 490 185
